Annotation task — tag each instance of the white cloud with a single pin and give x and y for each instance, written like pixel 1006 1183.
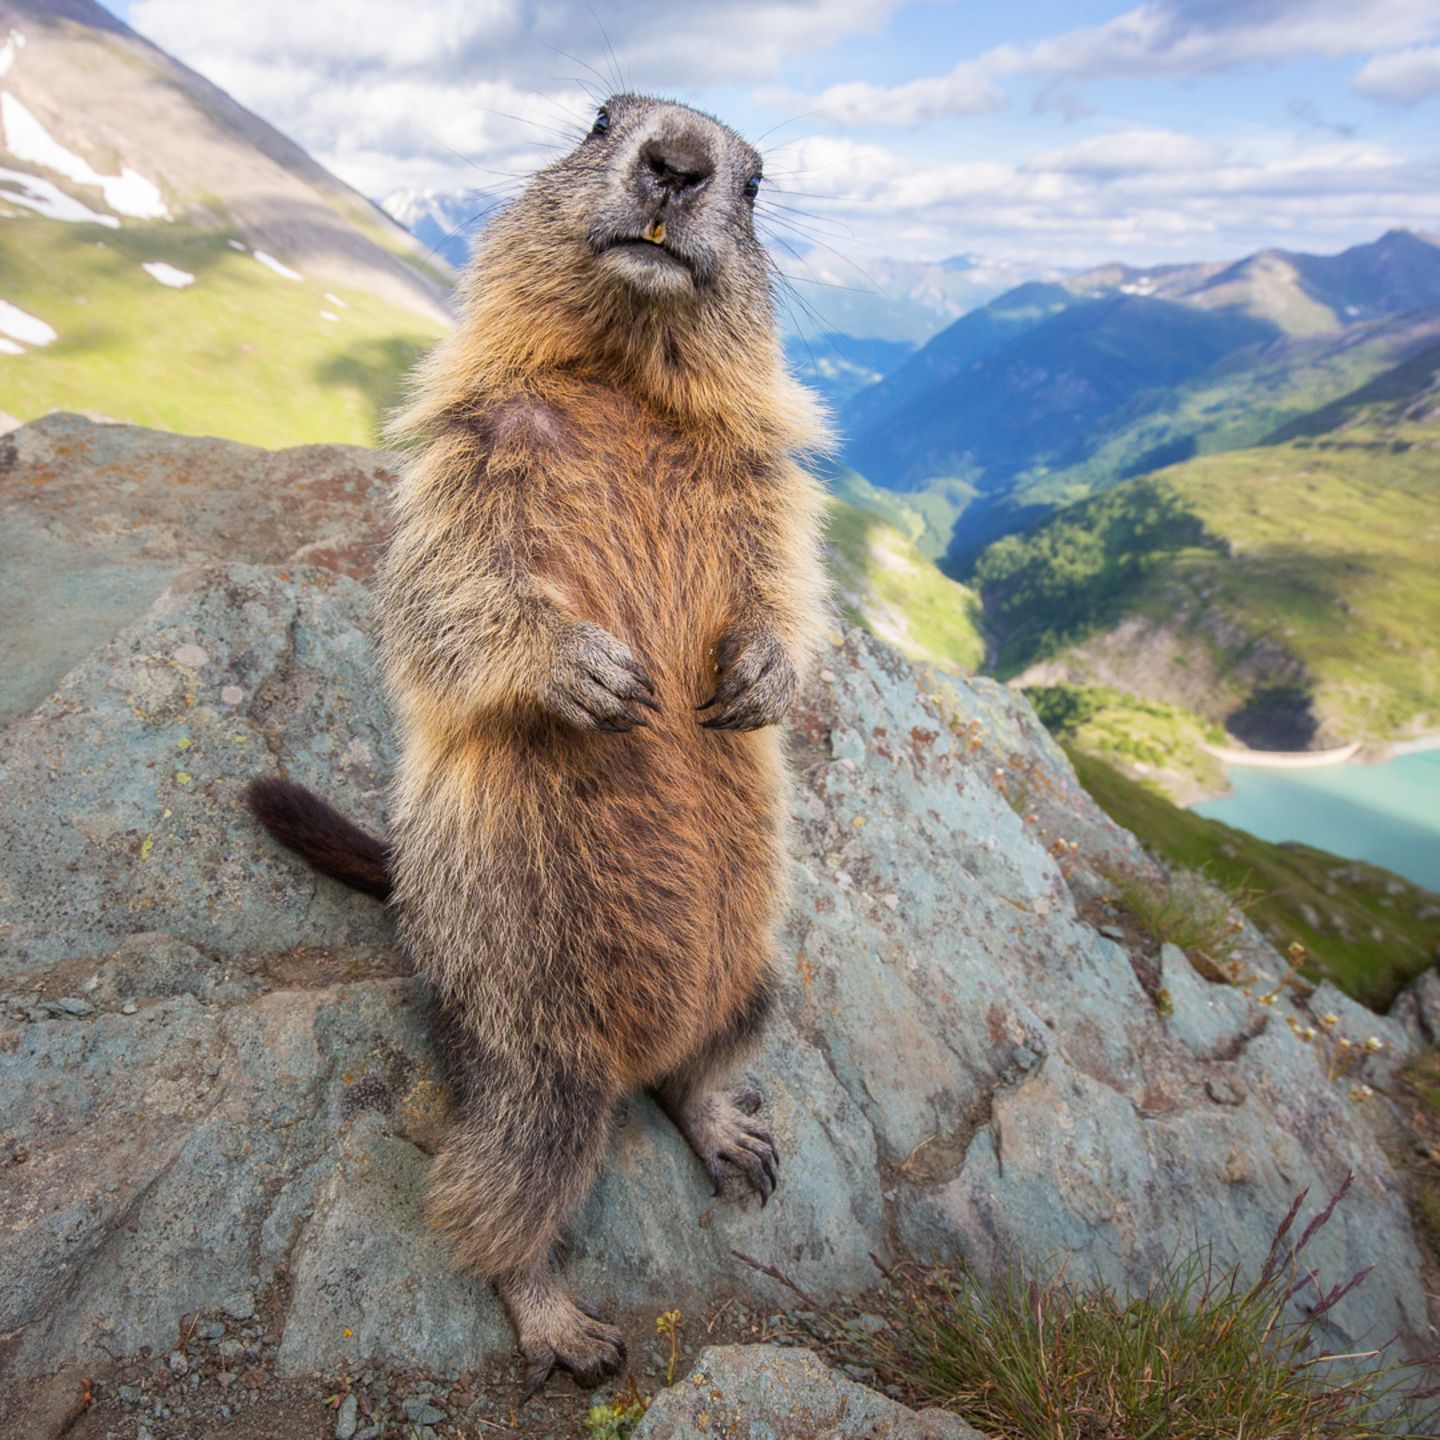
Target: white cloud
pixel 1157 38
pixel 1131 152
pixel 385 92
pixel 966 90
pixel 1404 77
pixel 1153 193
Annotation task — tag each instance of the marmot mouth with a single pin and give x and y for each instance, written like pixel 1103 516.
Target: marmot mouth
pixel 637 244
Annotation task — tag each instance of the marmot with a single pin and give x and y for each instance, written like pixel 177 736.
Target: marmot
pixel 602 588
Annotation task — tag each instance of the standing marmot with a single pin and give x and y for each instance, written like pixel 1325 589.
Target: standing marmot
pixel 602 588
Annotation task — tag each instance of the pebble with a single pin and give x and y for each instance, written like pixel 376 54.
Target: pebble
pixel 129 1008
pixel 1113 932
pixel 420 1411
pixel 1024 1057
pixel 73 1005
pixel 347 1418
pixel 214 1330
pixel 239 1306
pixel 179 1365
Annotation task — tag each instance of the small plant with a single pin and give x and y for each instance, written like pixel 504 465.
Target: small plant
pixel 1196 1356
pixel 669 1324
pixel 1183 908
pixel 618 1419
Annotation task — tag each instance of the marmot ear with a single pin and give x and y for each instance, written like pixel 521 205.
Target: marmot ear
pixel 602 122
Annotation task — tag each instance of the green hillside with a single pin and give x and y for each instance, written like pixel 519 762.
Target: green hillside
pixel 1367 930
pixel 1147 740
pixel 1290 590
pixel 886 585
pixel 243 352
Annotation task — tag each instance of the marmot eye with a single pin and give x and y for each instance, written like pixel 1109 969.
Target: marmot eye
pixel 602 123
pixel 752 186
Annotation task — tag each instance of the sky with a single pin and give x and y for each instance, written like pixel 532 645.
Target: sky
pixel 1048 133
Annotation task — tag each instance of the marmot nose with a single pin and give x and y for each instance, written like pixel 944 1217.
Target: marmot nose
pixel 675 165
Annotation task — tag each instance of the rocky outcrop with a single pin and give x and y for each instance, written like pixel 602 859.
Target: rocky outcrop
pixel 764 1392
pixel 219 1087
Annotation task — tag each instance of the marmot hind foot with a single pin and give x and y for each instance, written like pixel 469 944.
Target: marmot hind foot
pixel 571 1335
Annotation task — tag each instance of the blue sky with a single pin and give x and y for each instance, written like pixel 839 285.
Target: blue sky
pixel 1051 133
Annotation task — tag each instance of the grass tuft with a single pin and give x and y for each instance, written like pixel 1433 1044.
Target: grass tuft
pixel 1182 908
pixel 1198 1355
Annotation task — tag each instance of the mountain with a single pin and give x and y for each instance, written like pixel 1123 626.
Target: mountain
pixel 167 256
pixel 1286 590
pixel 839 366
pixel 1053 390
pixel 881 297
pixel 885 584
pixel 445 222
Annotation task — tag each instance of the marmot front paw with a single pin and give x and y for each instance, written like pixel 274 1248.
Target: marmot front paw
pixel 597 683
pixel 757 684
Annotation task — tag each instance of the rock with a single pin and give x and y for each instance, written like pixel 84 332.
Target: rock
pixel 1417 1009
pixel 240 1306
pixel 959 1065
pixel 347 1418
pixel 765 1392
pixel 96 520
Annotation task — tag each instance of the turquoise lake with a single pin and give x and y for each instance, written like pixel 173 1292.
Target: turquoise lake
pixel 1387 814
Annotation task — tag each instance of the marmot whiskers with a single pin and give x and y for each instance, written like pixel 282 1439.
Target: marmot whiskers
pixel 602 588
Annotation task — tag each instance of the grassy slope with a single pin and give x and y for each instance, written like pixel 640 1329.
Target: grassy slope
pixel 242 353
pixel 885 584
pixel 1326 547
pixel 1145 739
pixel 1364 927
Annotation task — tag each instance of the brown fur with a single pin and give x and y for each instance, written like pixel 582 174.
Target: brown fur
pixel 596 911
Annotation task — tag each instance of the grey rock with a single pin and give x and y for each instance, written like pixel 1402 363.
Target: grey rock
pixel 347 1418
pixel 258 1088
pixel 420 1409
pixel 73 1005
pixel 764 1392
pixel 96 520
pixel 240 1306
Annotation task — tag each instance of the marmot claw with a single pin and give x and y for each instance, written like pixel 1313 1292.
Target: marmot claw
pixel 757 684
pixel 597 683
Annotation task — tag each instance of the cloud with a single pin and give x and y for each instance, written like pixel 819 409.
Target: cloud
pixel 1157 38
pixel 1144 192
pixel 966 90
pixel 386 92
pixel 1132 152
pixel 1405 77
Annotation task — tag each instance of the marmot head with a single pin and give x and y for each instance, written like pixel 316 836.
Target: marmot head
pixel 664 197
pixel 650 218
pixel 634 259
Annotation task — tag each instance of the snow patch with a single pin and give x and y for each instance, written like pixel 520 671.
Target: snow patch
pixel 236 245
pixel 271 263
pixel 128 193
pixel 20 325
pixel 9 347
pixel 13 41
pixel 49 200
pixel 170 275
pixel 328 315
pixel 336 301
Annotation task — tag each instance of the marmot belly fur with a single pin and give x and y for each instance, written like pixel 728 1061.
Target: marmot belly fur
pixel 602 589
